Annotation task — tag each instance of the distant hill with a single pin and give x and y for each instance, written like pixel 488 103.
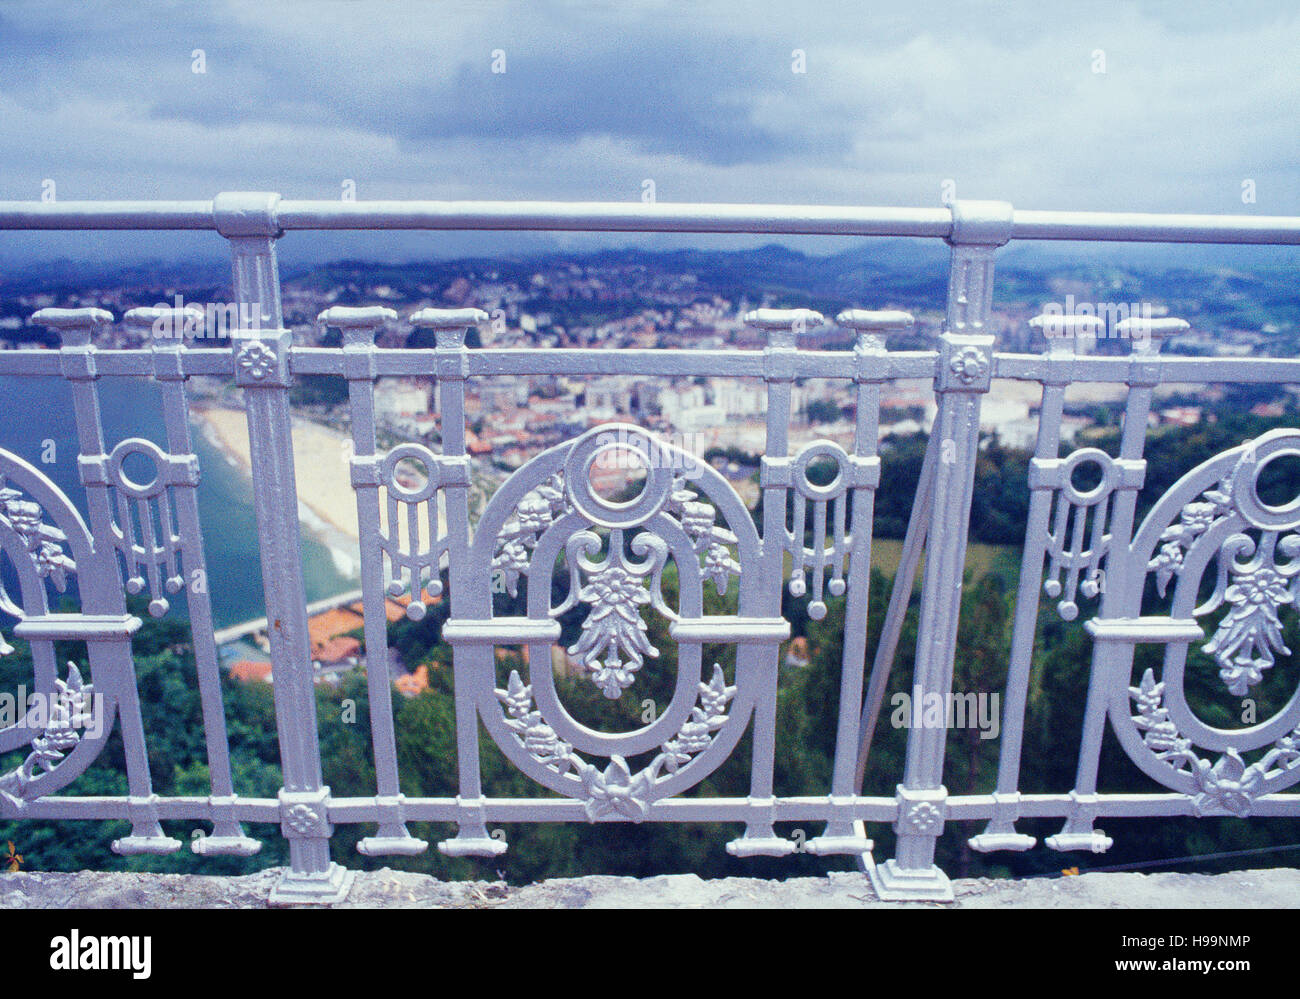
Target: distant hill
pixel 1235 287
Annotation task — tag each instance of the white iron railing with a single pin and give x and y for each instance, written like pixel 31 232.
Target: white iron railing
pixel 615 553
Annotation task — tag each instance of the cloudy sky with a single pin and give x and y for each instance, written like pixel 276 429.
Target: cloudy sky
pixel 1144 106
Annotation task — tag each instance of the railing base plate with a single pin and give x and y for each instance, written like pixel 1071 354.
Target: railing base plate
pixel 990 841
pixel 825 846
pixel 226 846
pixel 761 846
pixel 1094 841
pixel 399 846
pixel 473 846
pixel 328 888
pixel 893 884
pixel 140 846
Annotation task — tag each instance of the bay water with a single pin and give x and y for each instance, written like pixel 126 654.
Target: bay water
pixel 35 412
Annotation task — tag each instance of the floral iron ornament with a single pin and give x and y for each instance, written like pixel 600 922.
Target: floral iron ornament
pixel 1250 634
pixel 539 508
pixel 70 713
pixel 256 359
pixel 544 505
pixel 616 790
pixel 969 365
pixel 614 644
pixel 1227 786
pixel 43 543
pixel 615 591
pixel 715 543
pixel 527 723
pixel 1250 581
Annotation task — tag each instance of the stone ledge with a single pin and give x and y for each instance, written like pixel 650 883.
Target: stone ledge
pixel 1270 889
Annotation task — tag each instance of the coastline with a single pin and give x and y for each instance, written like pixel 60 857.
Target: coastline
pixel 327 505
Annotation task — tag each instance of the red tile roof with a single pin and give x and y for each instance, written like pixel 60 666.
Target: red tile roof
pixel 249 671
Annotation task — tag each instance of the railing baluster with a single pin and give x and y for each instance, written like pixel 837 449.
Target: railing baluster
pixel 780 363
pixel 1062 335
pixel 1146 337
pixel 359 327
pixel 261 348
pixel 472 666
pixel 844 835
pixel 77 360
pixel 227 837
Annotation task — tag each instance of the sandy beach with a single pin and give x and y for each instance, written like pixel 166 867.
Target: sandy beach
pixel 320 463
pixel 326 503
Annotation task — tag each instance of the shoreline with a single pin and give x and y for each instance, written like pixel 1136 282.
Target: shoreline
pixel 323 471
pixel 320 467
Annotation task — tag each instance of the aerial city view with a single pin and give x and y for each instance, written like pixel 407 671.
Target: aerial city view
pixel 684 300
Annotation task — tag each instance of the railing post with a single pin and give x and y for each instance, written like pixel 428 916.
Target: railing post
pixel 962 378
pixel 261 348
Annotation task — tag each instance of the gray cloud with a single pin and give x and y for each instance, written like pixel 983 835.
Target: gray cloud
pixel 400 97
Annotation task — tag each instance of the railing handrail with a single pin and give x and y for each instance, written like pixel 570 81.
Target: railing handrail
pixel 618 216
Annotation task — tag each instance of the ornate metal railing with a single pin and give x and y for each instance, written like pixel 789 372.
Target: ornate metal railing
pixel 138 537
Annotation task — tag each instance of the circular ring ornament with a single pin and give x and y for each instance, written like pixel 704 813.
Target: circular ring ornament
pixel 833 489
pixel 1093 496
pixel 577 477
pixel 124 482
pixel 1245 477
pixel 413 452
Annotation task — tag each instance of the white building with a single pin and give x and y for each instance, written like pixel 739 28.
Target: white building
pixel 607 398
pixel 398 397
pixel 740 400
